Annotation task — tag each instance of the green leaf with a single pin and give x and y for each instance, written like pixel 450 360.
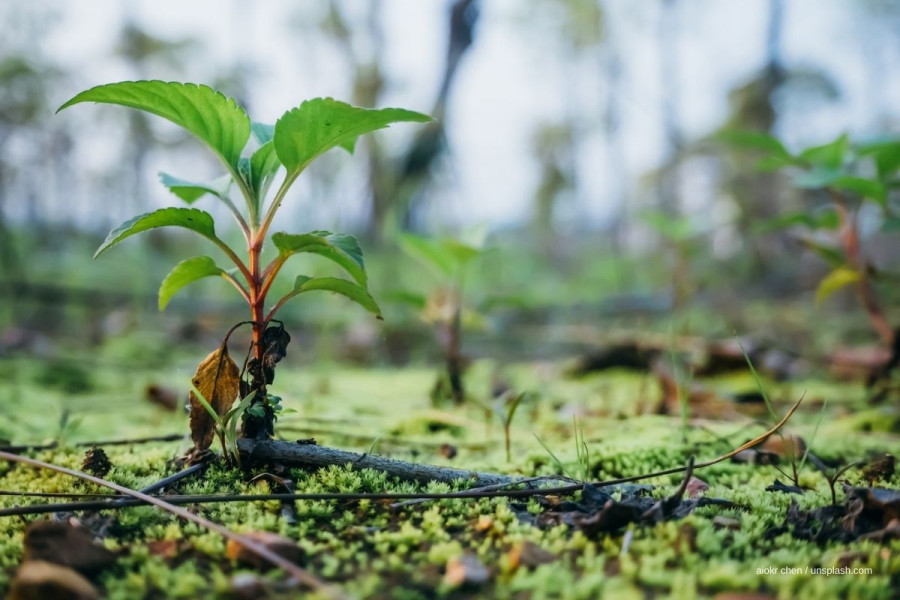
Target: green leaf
pixel 338 247
pixel 338 286
pixel 817 178
pixel 829 156
pixel 826 218
pixel 755 140
pixel 190 191
pixel 833 257
pixel 263 165
pixel 886 154
pixel 412 299
pixel 189 218
pixel 834 281
pixel 864 188
pixel 317 125
pixel 429 252
pixel 216 120
pixel 185 272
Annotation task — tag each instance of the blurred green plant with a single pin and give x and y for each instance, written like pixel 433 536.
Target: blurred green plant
pixel 683 236
pixel 448 259
pixel 851 177
pixel 300 136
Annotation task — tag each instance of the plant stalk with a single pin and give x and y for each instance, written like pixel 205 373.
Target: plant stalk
pixel 850 241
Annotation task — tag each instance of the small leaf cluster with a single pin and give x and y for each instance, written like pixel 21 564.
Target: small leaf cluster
pixel 252 167
pixel 850 175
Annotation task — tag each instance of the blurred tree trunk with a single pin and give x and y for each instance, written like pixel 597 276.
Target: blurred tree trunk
pixel 668 179
pixel 752 108
pixel 406 194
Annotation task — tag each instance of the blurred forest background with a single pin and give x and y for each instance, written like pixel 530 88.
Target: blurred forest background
pixel 580 134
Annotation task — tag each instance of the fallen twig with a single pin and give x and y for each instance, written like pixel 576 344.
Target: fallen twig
pixel 309 455
pixel 489 491
pixel 299 574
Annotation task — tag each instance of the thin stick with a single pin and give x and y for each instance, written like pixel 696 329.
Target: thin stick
pixel 301 575
pixel 475 493
pixel 172 437
pixel 320 456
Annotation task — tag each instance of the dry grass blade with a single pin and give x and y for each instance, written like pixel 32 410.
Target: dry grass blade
pixel 290 568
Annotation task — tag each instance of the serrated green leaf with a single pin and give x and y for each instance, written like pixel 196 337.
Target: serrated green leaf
pixel 185 272
pixel 339 286
pixel 828 156
pixel 317 125
pixel 191 191
pixel 215 119
pixel 755 140
pixel 189 218
pixel 834 281
pixel 338 247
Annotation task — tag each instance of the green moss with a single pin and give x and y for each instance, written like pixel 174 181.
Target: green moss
pixel 372 550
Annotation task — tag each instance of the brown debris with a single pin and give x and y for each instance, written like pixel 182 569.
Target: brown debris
pixel 529 554
pixel 867 513
pixel 162 396
pixel 39 580
pixel 448 451
pixel 880 469
pixel 696 487
pixel 96 462
pixel 67 544
pixel 723 522
pixel 282 546
pixel 466 570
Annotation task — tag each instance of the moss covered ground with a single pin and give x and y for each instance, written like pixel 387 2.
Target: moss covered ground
pixel 372 550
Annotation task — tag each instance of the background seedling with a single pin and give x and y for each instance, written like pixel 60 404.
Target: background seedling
pixel 447 258
pixel 849 179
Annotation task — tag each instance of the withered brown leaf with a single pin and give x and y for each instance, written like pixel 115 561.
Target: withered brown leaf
pixel 218 379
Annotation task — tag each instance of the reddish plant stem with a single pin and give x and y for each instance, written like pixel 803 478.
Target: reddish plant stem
pixel 849 236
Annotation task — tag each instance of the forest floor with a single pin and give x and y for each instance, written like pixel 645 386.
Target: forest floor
pixel 753 542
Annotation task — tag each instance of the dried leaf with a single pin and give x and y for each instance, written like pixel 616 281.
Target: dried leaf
pixel 218 379
pixel 466 570
pixel 65 544
pixel 282 546
pixel 38 580
pixel 696 487
pixel 529 554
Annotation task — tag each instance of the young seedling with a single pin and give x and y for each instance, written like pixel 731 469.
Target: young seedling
pixel 505 408
pixel 850 177
pixel 297 138
pixel 448 259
